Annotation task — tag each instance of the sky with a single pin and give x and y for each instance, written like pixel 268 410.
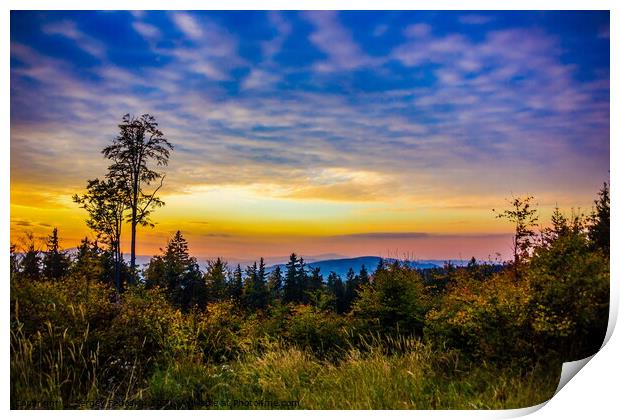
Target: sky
pixel 324 133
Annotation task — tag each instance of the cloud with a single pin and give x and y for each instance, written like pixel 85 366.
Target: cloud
pixel 69 30
pixel 474 19
pixel 146 30
pixel 282 29
pixel 482 104
pixel 335 41
pixel 258 78
pixel 380 30
pixel 213 53
pixel 187 24
pixel 418 30
pixel 386 235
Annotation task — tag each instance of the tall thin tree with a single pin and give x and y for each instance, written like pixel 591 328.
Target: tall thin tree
pixel 139 144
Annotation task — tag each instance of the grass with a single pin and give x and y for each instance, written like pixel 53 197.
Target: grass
pixel 415 379
pixel 412 377
pixel 144 354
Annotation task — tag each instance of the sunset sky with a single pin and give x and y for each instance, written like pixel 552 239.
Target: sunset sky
pixel 324 133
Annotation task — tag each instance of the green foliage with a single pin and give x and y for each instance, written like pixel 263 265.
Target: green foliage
pixel 56 328
pixel 255 292
pixel 221 332
pixel 145 332
pixel 215 279
pixel 486 320
pixel 525 218
pixel 321 332
pixel 30 264
pixel 394 303
pixel 599 233
pixel 55 261
pixel 177 273
pixel 570 296
pixel 274 284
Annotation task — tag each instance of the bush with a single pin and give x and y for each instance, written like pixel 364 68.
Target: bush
pixel 570 296
pixel 395 302
pixel 55 332
pixel 487 321
pixel 147 331
pixel 221 332
pixel 322 332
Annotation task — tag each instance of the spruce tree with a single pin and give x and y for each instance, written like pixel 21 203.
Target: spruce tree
pixel 302 282
pixel 55 262
pixel 255 291
pixel 316 279
pixel 364 278
pixel 235 284
pixel 88 262
pixel 177 273
pixel 274 283
pixel 351 288
pixel 215 279
pixel 290 280
pixel 30 264
pixel 337 288
pixel 599 228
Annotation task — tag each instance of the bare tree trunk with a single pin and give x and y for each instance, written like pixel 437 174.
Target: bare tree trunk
pixel 134 222
pixel 133 248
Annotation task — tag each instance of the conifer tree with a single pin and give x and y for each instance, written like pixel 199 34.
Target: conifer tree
pixel 215 279
pixel 316 279
pixel 351 289
pixel 30 264
pixel 255 291
pixel 235 284
pixel 88 263
pixel 55 262
pixel 337 288
pixel 380 266
pixel 599 228
pixel 364 278
pixel 302 282
pixel 290 280
pixel 274 283
pixel 177 273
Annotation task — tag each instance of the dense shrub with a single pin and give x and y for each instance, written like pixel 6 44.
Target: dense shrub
pixel 489 320
pixel 569 296
pixel 322 332
pixel 394 303
pixel 56 328
pixel 221 331
pixel 146 331
pixel 73 305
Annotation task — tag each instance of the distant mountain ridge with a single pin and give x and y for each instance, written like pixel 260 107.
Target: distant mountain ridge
pixel 341 266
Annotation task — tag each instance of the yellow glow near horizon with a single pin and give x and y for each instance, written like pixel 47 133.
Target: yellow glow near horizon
pixel 269 218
